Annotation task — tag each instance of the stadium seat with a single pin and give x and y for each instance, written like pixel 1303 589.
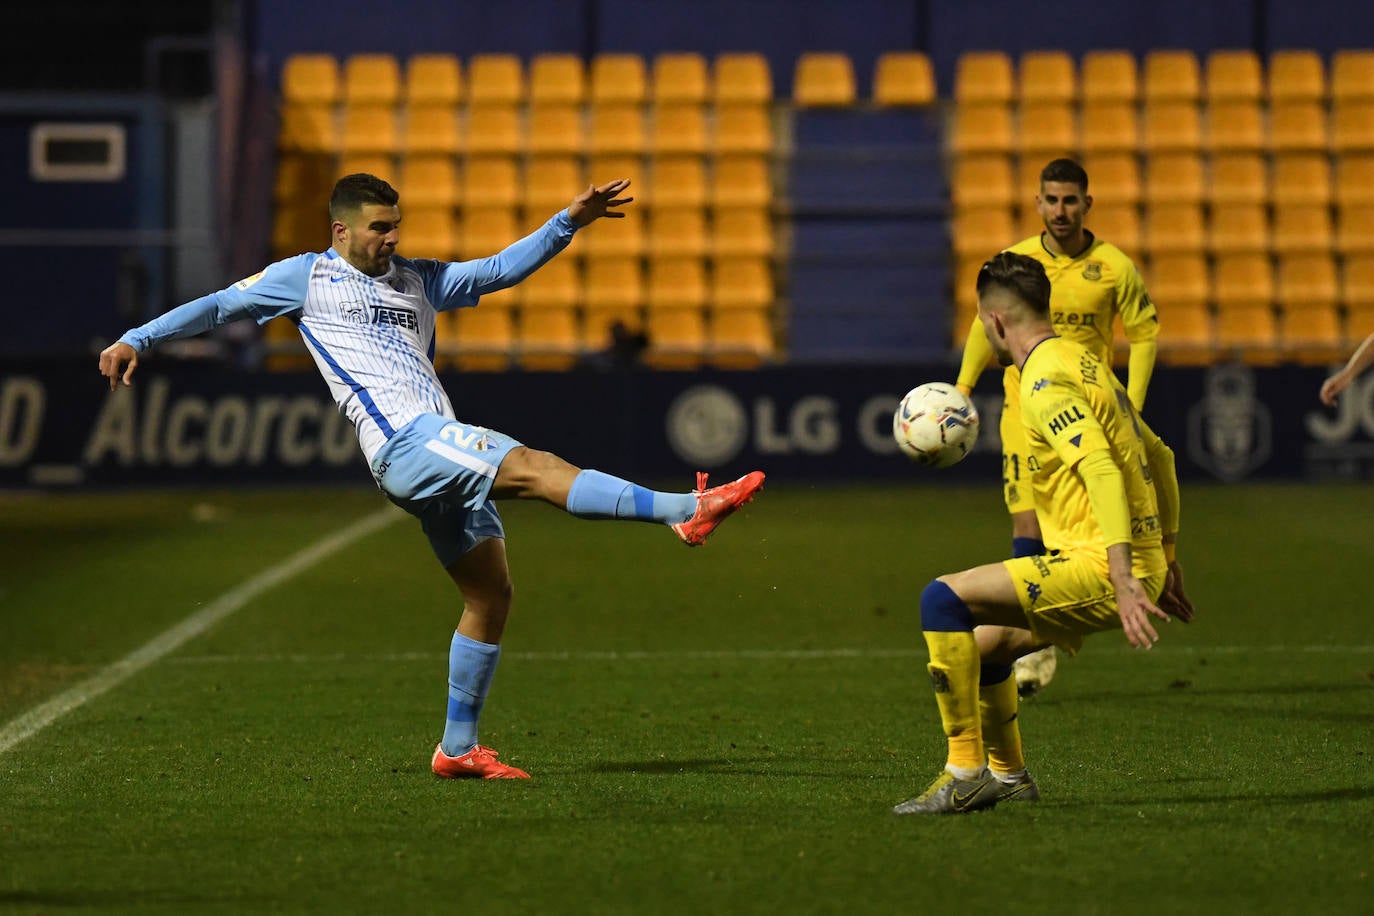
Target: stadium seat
pixel 742 232
pixel 1238 229
pixel 677 338
pixel 1357 283
pixel 1115 223
pixel 494 130
pixel 680 78
pixel 433 79
pixel 614 283
pixel 303 176
pixel 1027 185
pixel 551 182
pixel 823 80
pixel 1352 127
pixel 1187 335
pixel 1174 178
pixel 381 165
pixel 618 79
pixel 310 79
pixel 495 80
pixel 614 237
pixel 676 282
pixel 550 338
pixel 982 181
pixel 616 128
pixel 430 232
pixel 1296 76
pixel 1233 76
pixel 1172 127
pixel 558 283
pixel 740 339
pixel 598 322
pixel 1302 229
pixel 742 78
pixel 741 283
pixel 676 232
pixel 487 230
pixel 611 166
pixel 371 79
pixel 1239 178
pixel 308 129
pixel 674 182
pixel 1307 280
pixel 1174 229
pixel 740 181
pixel 984 128
pixel 983 77
pixel 1171 75
pixel 1355 230
pixel 298 228
pixel 554 129
pixel 1243 287
pixel 743 129
pixel 1109 76
pixel 1355 180
pixel 283 348
pixel 1352 76
pixel 492 181
pixel 1177 278
pixel 1297 127
pixel 1114 177
pixel 1235 127
pixel 978 234
pixel 1359 324
pixel 904 79
pixel 1301 178
pixel 431 129
pixel 1108 127
pixel 1046 130
pixel 557 80
pixel 476 339
pixel 678 129
pixel 429 181
pixel 369 130
pixel 1047 76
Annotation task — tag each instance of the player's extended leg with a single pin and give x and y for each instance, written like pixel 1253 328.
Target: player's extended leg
pixel 998 707
pixel 531 474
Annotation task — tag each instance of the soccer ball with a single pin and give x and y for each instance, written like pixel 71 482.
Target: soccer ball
pixel 935 425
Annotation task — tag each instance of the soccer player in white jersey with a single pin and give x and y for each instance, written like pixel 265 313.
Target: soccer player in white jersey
pixel 367 316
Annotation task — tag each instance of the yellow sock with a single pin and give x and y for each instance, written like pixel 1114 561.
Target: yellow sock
pixel 954 675
pixel 1001 731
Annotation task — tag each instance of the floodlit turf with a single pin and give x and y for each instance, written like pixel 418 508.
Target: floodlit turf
pixel 714 730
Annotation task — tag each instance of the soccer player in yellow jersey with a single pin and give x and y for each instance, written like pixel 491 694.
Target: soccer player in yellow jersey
pixel 1104 487
pixel 1091 283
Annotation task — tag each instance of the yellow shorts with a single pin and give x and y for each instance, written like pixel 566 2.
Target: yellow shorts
pixel 1016 457
pixel 1067 596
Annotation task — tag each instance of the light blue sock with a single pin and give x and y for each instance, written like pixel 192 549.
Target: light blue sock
pixel 471 666
pixel 598 495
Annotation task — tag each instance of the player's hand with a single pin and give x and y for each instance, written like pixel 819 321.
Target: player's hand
pixel 1136 609
pixel 1332 387
pixel 594 203
pixel 112 363
pixel 1172 599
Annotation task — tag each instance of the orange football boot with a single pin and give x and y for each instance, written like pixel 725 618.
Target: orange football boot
pixel 478 763
pixel 715 505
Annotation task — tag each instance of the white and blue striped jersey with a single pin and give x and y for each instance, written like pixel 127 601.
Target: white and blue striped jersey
pixel 371 337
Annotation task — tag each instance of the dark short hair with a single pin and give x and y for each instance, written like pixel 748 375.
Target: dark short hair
pixel 1019 274
pixel 1067 171
pixel 351 192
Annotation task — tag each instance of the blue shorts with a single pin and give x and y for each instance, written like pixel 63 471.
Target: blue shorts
pixel 441 472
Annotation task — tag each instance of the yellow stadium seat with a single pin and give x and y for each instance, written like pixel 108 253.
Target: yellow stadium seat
pixel 982 181
pixel 1187 336
pixel 1179 278
pixel 491 181
pixel 1172 127
pixel 551 182
pixel 433 79
pixel 308 129
pixel 1174 229
pixel 303 176
pixel 1114 177
pixel 743 129
pixel 983 77
pixel 676 282
pixel 982 128
pixel 558 80
pixel 1175 178
pixel 1027 186
pixel 1307 280
pixel 616 128
pixel 297 228
pixel 614 237
pixel 614 283
pixel 741 339
pixel 478 339
pixel 1233 76
pixel 1297 127
pixel 430 232
pixel 1352 76
pixel 1355 230
pixel 1312 334
pixel 1109 76
pixel 310 79
pixel 1235 127
pixel 742 232
pixel 1355 180
pixel 981 233
pixel 677 233
pixel 1242 278
pixel 680 78
pixel 1118 224
pixel 495 79
pixel 966 268
pixel 740 181
pixel 381 165
pixel 557 283
pixel 677 338
pixel 742 78
pixel 1357 282
pixel 823 80
pixel 555 129
pixel 1171 75
pixel 429 181
pixel 678 129
pixel 494 130
pixel 369 130
pixel 1296 76
pixel 1239 178
pixel 904 78
pixel 1108 127
pixel 1239 229
pixel 1302 229
pixel 1243 286
pixel 550 338
pixel 675 182
pixel 1047 76
pixel 371 79
pixel 618 79
pixel 1352 127
pixel 611 166
pixel 487 230
pixel 431 129
pixel 1047 130
pixel 1302 178
pixel 598 324
pixel 741 283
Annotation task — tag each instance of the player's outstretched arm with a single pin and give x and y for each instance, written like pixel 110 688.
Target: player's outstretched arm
pixel 1360 360
pixel 594 203
pixel 113 362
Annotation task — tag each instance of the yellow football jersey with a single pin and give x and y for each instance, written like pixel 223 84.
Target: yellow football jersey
pixel 1073 404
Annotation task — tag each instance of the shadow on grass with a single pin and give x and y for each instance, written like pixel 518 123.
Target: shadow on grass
pixel 1355 793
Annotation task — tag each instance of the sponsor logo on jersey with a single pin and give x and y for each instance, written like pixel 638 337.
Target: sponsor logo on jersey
pixel 249 281
pixel 401 318
pixel 1040 383
pixel 1064 419
pixel 1032 590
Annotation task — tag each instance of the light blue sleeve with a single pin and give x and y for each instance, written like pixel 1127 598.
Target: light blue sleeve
pixel 458 284
pixel 278 290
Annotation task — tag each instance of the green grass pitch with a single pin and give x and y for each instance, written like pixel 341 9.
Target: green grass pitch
pixel 715 730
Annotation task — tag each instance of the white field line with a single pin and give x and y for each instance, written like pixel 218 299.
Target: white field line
pixel 116 673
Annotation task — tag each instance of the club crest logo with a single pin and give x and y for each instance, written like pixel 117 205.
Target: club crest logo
pixel 1092 270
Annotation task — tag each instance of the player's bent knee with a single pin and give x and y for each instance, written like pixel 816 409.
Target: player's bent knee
pixel 944 611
